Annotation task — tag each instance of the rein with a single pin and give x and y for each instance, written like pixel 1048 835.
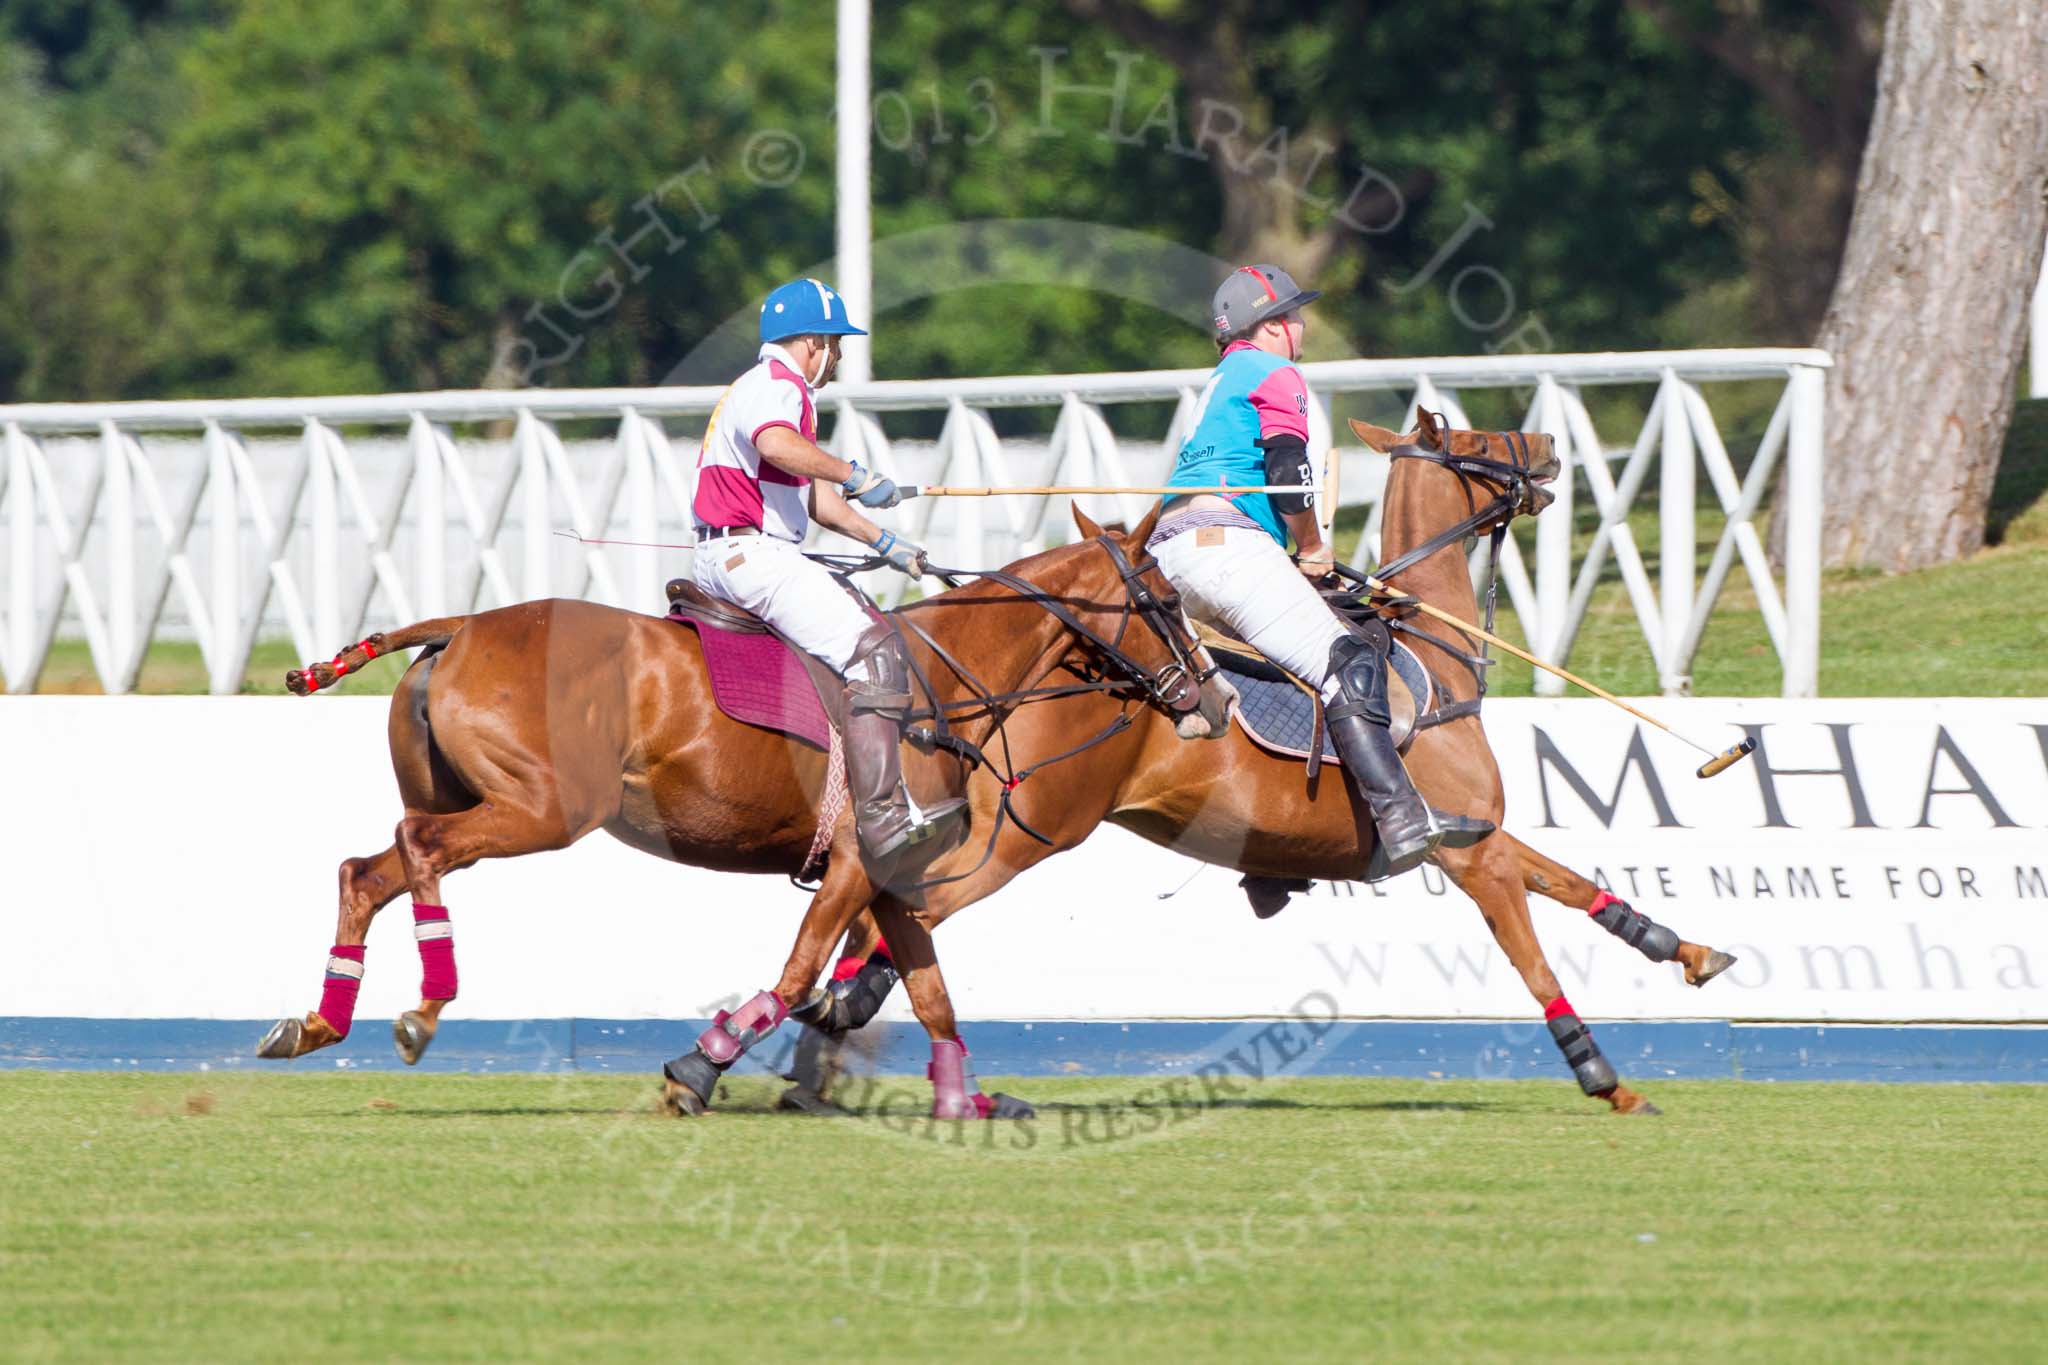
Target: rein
pixel 1175 688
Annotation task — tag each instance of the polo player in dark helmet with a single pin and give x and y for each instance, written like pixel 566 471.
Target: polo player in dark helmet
pixel 1229 559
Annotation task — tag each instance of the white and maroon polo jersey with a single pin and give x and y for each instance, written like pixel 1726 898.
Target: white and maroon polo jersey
pixel 735 486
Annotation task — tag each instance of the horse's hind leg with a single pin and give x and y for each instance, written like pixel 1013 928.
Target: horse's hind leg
pixel 367 886
pixel 431 845
pixel 1659 944
pixel 1491 874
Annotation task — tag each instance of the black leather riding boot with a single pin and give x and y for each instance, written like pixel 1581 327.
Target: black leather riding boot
pixel 1407 834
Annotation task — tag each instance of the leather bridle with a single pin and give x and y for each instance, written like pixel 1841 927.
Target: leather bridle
pixel 1514 484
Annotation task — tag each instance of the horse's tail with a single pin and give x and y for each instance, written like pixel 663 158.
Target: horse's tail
pixel 303 682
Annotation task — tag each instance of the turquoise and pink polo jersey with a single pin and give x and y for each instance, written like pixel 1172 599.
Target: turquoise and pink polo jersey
pixel 1253 395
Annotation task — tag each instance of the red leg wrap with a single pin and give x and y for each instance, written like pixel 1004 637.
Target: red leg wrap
pixel 849 966
pixel 344 979
pixel 437 951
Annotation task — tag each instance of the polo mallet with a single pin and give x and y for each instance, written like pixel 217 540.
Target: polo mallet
pixel 1717 761
pixel 935 490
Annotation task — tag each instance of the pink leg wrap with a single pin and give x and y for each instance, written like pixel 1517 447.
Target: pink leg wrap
pixel 437 951
pixel 955 1095
pixel 344 979
pixel 731 1034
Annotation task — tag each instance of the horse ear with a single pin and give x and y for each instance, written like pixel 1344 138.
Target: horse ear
pixel 1432 430
pixel 1086 524
pixel 1142 532
pixel 1379 438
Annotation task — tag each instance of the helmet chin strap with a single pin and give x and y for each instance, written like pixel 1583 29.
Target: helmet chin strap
pixel 824 368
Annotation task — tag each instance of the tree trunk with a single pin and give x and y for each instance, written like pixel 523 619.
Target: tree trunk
pixel 1929 316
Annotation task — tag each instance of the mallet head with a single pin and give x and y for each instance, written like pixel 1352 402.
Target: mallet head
pixel 1729 757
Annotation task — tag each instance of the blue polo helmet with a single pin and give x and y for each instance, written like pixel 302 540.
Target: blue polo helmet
pixel 805 308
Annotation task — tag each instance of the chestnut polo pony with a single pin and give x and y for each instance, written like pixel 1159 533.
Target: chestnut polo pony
pixel 1237 805
pixel 528 727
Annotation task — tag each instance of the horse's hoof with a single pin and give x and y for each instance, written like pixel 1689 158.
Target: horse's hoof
pixel 1630 1103
pixel 1717 962
pixel 412 1031
pixel 801 1099
pixel 1010 1107
pixel 682 1101
pixel 282 1042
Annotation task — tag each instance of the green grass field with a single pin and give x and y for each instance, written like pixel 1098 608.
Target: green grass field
pixel 421 1217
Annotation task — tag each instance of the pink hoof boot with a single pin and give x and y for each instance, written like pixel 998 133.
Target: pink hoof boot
pixel 954 1092
pixel 719 1046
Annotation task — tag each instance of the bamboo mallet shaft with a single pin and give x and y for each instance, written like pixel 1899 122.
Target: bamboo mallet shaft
pixel 1717 762
pixel 932 490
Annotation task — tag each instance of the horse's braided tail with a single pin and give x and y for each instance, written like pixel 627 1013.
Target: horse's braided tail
pixel 304 682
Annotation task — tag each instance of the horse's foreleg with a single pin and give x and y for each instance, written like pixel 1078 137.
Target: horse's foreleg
pixel 689 1081
pixel 1490 873
pixel 860 984
pixel 955 1094
pixel 1659 944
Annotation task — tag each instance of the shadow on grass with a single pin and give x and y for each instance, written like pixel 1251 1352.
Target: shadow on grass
pixel 1050 1108
pixel 506 1111
pixel 1304 1106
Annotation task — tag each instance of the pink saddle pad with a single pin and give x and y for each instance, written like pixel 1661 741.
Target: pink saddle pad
pixel 758 680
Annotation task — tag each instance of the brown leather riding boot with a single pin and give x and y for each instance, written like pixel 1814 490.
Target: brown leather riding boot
pixel 881 808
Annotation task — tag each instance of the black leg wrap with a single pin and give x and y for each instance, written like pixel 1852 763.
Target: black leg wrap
pixel 846 1005
pixel 1595 1074
pixel 698 1073
pixel 815 1064
pixel 1637 930
pixel 863 995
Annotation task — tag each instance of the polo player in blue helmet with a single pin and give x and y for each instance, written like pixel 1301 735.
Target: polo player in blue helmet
pixel 1228 556
pixel 761 478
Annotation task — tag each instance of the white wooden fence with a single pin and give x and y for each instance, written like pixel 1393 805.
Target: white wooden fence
pixel 221 521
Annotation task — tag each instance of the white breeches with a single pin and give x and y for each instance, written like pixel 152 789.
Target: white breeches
pixel 1242 581
pixel 771 578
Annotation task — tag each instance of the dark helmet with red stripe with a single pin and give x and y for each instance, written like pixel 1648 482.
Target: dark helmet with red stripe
pixel 1252 295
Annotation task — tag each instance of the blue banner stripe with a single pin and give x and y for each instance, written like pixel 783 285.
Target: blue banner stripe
pixel 1459 1049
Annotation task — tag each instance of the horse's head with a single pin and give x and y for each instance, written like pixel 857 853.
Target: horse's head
pixel 1515 465
pixel 1120 583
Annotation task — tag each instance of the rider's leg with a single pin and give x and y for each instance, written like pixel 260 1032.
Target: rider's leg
pixel 877 700
pixel 1358 718
pixel 1245 582
pixel 1358 727
pixel 801 599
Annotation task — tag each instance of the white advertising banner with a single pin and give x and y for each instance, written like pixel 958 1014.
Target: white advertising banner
pixel 1875 860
